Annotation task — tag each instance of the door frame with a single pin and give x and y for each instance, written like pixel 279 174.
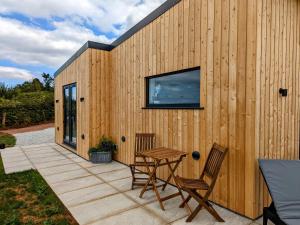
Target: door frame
pixel 69 87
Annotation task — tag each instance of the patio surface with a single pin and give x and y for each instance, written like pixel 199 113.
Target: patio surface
pixel 101 194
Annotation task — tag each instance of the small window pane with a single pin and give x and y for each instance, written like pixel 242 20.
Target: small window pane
pixel 176 90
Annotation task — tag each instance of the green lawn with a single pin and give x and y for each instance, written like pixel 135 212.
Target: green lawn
pixel 7 139
pixel 25 198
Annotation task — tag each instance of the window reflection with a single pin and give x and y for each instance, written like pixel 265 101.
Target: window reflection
pixel 182 88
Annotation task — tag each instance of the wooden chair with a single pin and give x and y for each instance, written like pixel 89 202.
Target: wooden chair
pixel 192 186
pixel 143 142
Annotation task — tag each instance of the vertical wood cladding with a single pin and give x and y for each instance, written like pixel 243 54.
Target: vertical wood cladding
pixel 246 49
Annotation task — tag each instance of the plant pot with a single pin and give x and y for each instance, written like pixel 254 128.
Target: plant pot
pixel 101 157
pixel 2 146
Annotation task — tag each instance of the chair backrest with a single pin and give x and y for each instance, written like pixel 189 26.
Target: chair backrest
pixel 143 142
pixel 214 162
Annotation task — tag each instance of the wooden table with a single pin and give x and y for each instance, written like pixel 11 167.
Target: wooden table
pixel 161 157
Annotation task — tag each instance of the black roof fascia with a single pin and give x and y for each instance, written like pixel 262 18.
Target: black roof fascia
pixel 88 44
pixel 144 22
pixel 108 47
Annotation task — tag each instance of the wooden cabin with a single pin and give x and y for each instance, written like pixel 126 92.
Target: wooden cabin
pixel 235 68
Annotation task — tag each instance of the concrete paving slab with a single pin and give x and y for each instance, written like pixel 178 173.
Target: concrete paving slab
pixel 78 159
pixel 13 159
pixel 149 196
pixel 101 194
pixel 34 146
pixel 136 216
pixel 41 165
pixel 122 184
pixel 86 164
pixel 73 156
pixel 37 149
pixel 204 218
pixel 115 175
pixel 49 159
pixel 172 211
pixel 59 169
pixel 18 163
pixel 75 184
pixel 42 155
pixel 107 167
pixel 11 155
pixel 95 210
pixel 55 178
pixel 18 169
pixel 88 194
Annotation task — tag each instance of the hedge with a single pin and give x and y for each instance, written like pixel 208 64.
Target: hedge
pixel 27 109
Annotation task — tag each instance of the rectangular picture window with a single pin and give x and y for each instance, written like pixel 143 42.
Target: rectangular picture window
pixel 174 90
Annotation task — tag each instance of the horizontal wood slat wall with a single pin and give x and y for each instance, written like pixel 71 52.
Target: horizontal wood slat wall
pixel 247 50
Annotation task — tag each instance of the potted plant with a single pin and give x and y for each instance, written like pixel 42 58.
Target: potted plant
pixel 102 153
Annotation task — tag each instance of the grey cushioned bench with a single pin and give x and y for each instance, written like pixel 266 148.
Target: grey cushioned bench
pixel 283 181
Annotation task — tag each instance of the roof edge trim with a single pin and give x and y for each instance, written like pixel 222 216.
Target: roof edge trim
pixel 108 47
pixel 144 22
pixel 88 44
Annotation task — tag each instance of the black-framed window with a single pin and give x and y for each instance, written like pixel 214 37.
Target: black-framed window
pixel 180 89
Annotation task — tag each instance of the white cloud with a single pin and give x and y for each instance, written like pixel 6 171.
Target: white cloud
pixel 31 45
pixel 15 73
pixel 103 14
pixel 25 44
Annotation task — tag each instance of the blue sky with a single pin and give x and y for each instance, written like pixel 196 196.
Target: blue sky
pixel 38 36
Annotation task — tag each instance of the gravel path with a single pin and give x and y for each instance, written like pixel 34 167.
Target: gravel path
pixel 35 137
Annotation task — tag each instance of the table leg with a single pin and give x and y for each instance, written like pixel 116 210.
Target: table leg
pixel 170 176
pixel 150 177
pixel 156 191
pixel 172 170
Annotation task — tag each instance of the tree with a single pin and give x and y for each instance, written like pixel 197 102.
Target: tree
pixel 48 81
pixel 7 92
pixel 30 86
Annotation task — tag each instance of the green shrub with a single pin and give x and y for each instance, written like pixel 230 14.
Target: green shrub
pixel 27 109
pixel 106 144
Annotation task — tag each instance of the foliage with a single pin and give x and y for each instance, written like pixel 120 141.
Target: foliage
pixel 48 81
pixel 28 108
pixel 29 103
pixel 7 139
pixel 7 92
pixel 106 144
pixel 30 86
pixel 25 198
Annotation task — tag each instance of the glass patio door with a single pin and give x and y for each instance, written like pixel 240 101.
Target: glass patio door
pixel 70 99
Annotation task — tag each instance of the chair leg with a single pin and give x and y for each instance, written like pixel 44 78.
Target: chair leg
pixel 265 217
pixel 185 201
pixel 132 169
pixel 265 220
pixel 194 213
pixel 202 203
pixel 215 214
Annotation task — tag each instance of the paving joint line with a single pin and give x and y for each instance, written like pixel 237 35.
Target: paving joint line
pixel 121 192
pixel 28 158
pixel 55 165
pixel 80 188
